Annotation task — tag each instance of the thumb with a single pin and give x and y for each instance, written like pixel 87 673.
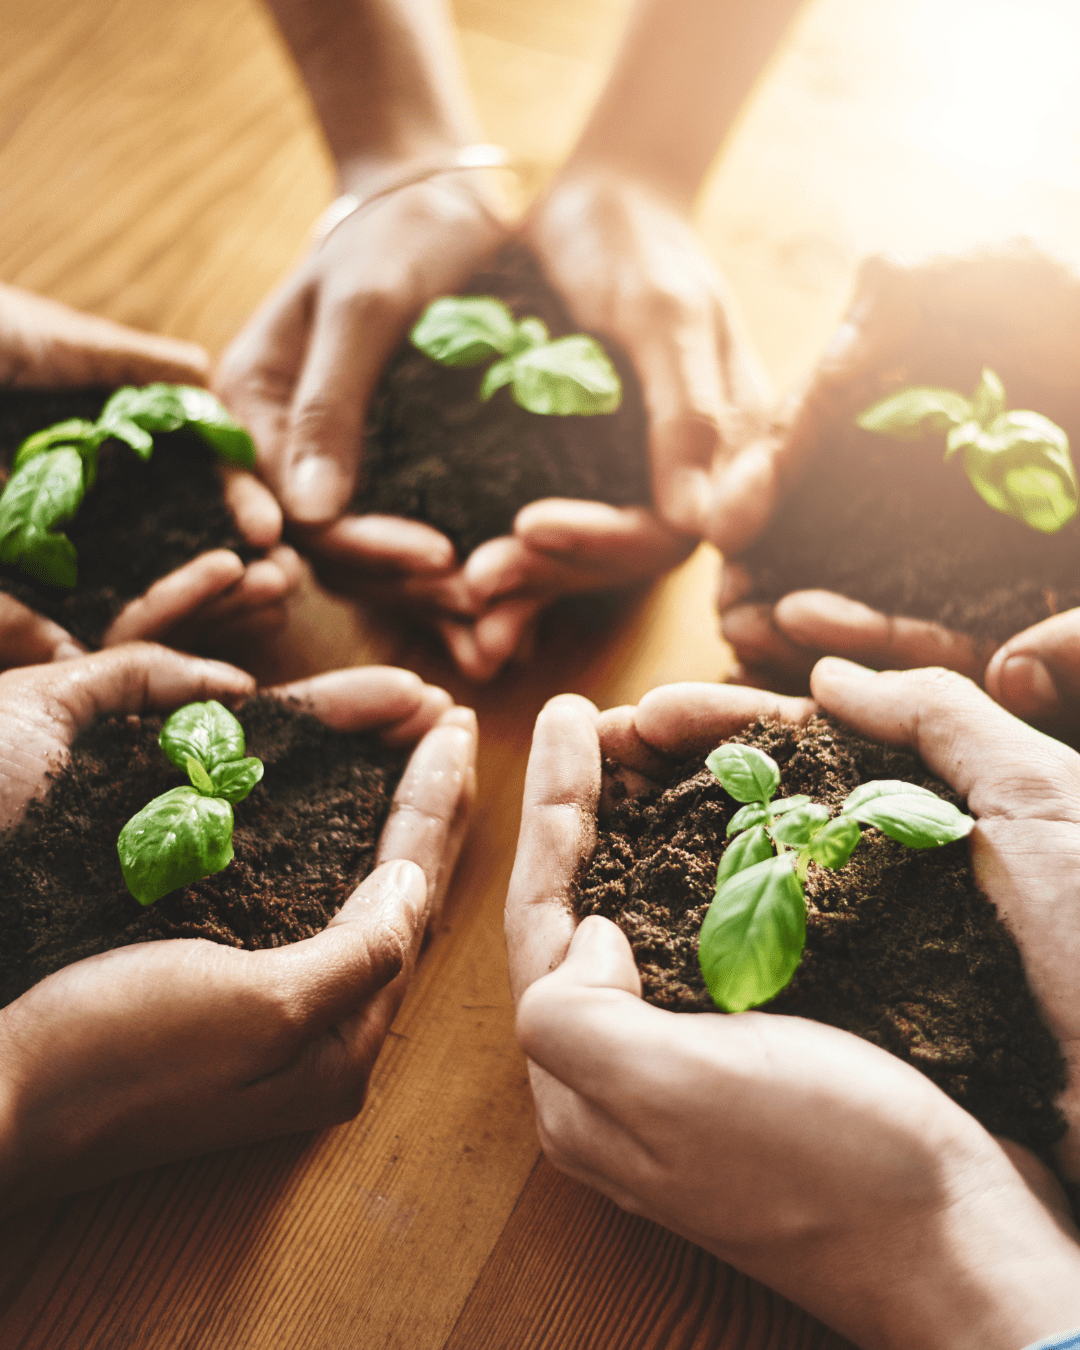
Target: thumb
pixel 1036 674
pixel 599 957
pixel 1002 765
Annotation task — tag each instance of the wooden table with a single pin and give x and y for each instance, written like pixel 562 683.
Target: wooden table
pixel 159 164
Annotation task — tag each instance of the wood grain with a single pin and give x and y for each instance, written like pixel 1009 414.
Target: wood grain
pixel 159 164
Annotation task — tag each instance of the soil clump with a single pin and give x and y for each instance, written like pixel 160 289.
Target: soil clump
pixel 303 840
pixel 902 948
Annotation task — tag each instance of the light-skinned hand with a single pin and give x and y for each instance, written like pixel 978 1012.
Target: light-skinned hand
pixel 167 1049
pixel 802 1155
pixel 213 603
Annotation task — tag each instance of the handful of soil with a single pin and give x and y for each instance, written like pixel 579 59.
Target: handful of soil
pixel 140 520
pixel 902 948
pixel 303 840
pixel 433 452
pixel 888 522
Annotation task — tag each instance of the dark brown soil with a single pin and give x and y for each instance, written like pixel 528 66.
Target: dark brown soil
pixel 888 522
pixel 435 453
pixel 137 523
pixel 902 948
pixel 303 840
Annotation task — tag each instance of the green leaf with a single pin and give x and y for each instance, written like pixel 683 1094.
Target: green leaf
pixel 959 438
pixel 1040 497
pixel 208 418
pixel 132 434
pixel 798 827
pixel 75 432
pixel 502 372
pixel 747 817
pixel 753 935
pixel 43 494
pixel 1021 466
pixel 174 840
pixel 235 779
pixel 783 804
pixel 834 844
pixel 465 330
pixel 746 773
pixel 880 787
pixel 571 376
pixel 207 732
pixel 910 413
pixel 917 819
pixel 152 407
pixel 200 779
pixel 752 846
pixel 988 400
pixel 530 333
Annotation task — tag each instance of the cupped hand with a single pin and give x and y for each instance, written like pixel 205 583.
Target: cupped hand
pixel 214 603
pixel 800 1154
pixel 1024 789
pixel 302 372
pixel 167 1049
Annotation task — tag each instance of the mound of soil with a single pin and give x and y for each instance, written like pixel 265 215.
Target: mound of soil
pixel 139 521
pixel 434 452
pixel 888 522
pixel 303 840
pixel 902 948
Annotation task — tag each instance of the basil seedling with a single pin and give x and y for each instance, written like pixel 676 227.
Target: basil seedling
pixel 753 935
pixel 1018 462
pixel 568 376
pixel 186 833
pixel 55 468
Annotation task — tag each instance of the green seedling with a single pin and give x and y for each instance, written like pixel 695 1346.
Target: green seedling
pixel 1018 462
pixel 753 935
pixel 568 376
pixel 186 833
pixel 54 469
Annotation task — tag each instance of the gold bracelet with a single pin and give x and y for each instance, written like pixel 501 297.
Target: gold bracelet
pixel 479 156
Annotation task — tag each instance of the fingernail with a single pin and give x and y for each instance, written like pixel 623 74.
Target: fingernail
pixel 67 651
pixel 318 488
pixel 1027 687
pixel 836 668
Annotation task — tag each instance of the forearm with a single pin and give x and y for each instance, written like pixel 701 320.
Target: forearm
pixel 384 76
pixel 679 80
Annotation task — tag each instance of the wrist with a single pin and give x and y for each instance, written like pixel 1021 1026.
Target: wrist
pixel 609 171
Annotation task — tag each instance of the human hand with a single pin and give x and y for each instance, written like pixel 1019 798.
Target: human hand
pixel 214 602
pixel 800 1154
pixel 166 1049
pixel 1024 789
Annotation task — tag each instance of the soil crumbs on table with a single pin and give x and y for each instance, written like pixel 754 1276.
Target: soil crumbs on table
pixel 901 947
pixel 435 453
pixel 303 840
pixel 140 520
pixel 888 522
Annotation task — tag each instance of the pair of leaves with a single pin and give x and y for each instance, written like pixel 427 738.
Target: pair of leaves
pixel 53 469
pixel 186 833
pixel 570 376
pixel 1018 462
pixel 752 939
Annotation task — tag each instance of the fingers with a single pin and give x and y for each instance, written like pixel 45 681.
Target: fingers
pixel 827 623
pixel 28 638
pixel 43 342
pixel 368 698
pixel 253 506
pixel 558 831
pixel 743 497
pixel 363 949
pixel 1036 674
pixel 680 720
pixel 174 597
pixel 761 646
pixel 1001 765
pixel 430 809
pixel 625 540
pixel 382 543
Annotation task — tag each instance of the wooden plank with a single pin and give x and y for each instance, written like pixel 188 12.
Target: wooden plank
pixel 572 1271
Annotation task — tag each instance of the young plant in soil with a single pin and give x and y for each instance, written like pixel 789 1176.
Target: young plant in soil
pixel 186 833
pixel 754 933
pixel 436 451
pixel 1018 461
pixel 53 469
pixel 562 377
